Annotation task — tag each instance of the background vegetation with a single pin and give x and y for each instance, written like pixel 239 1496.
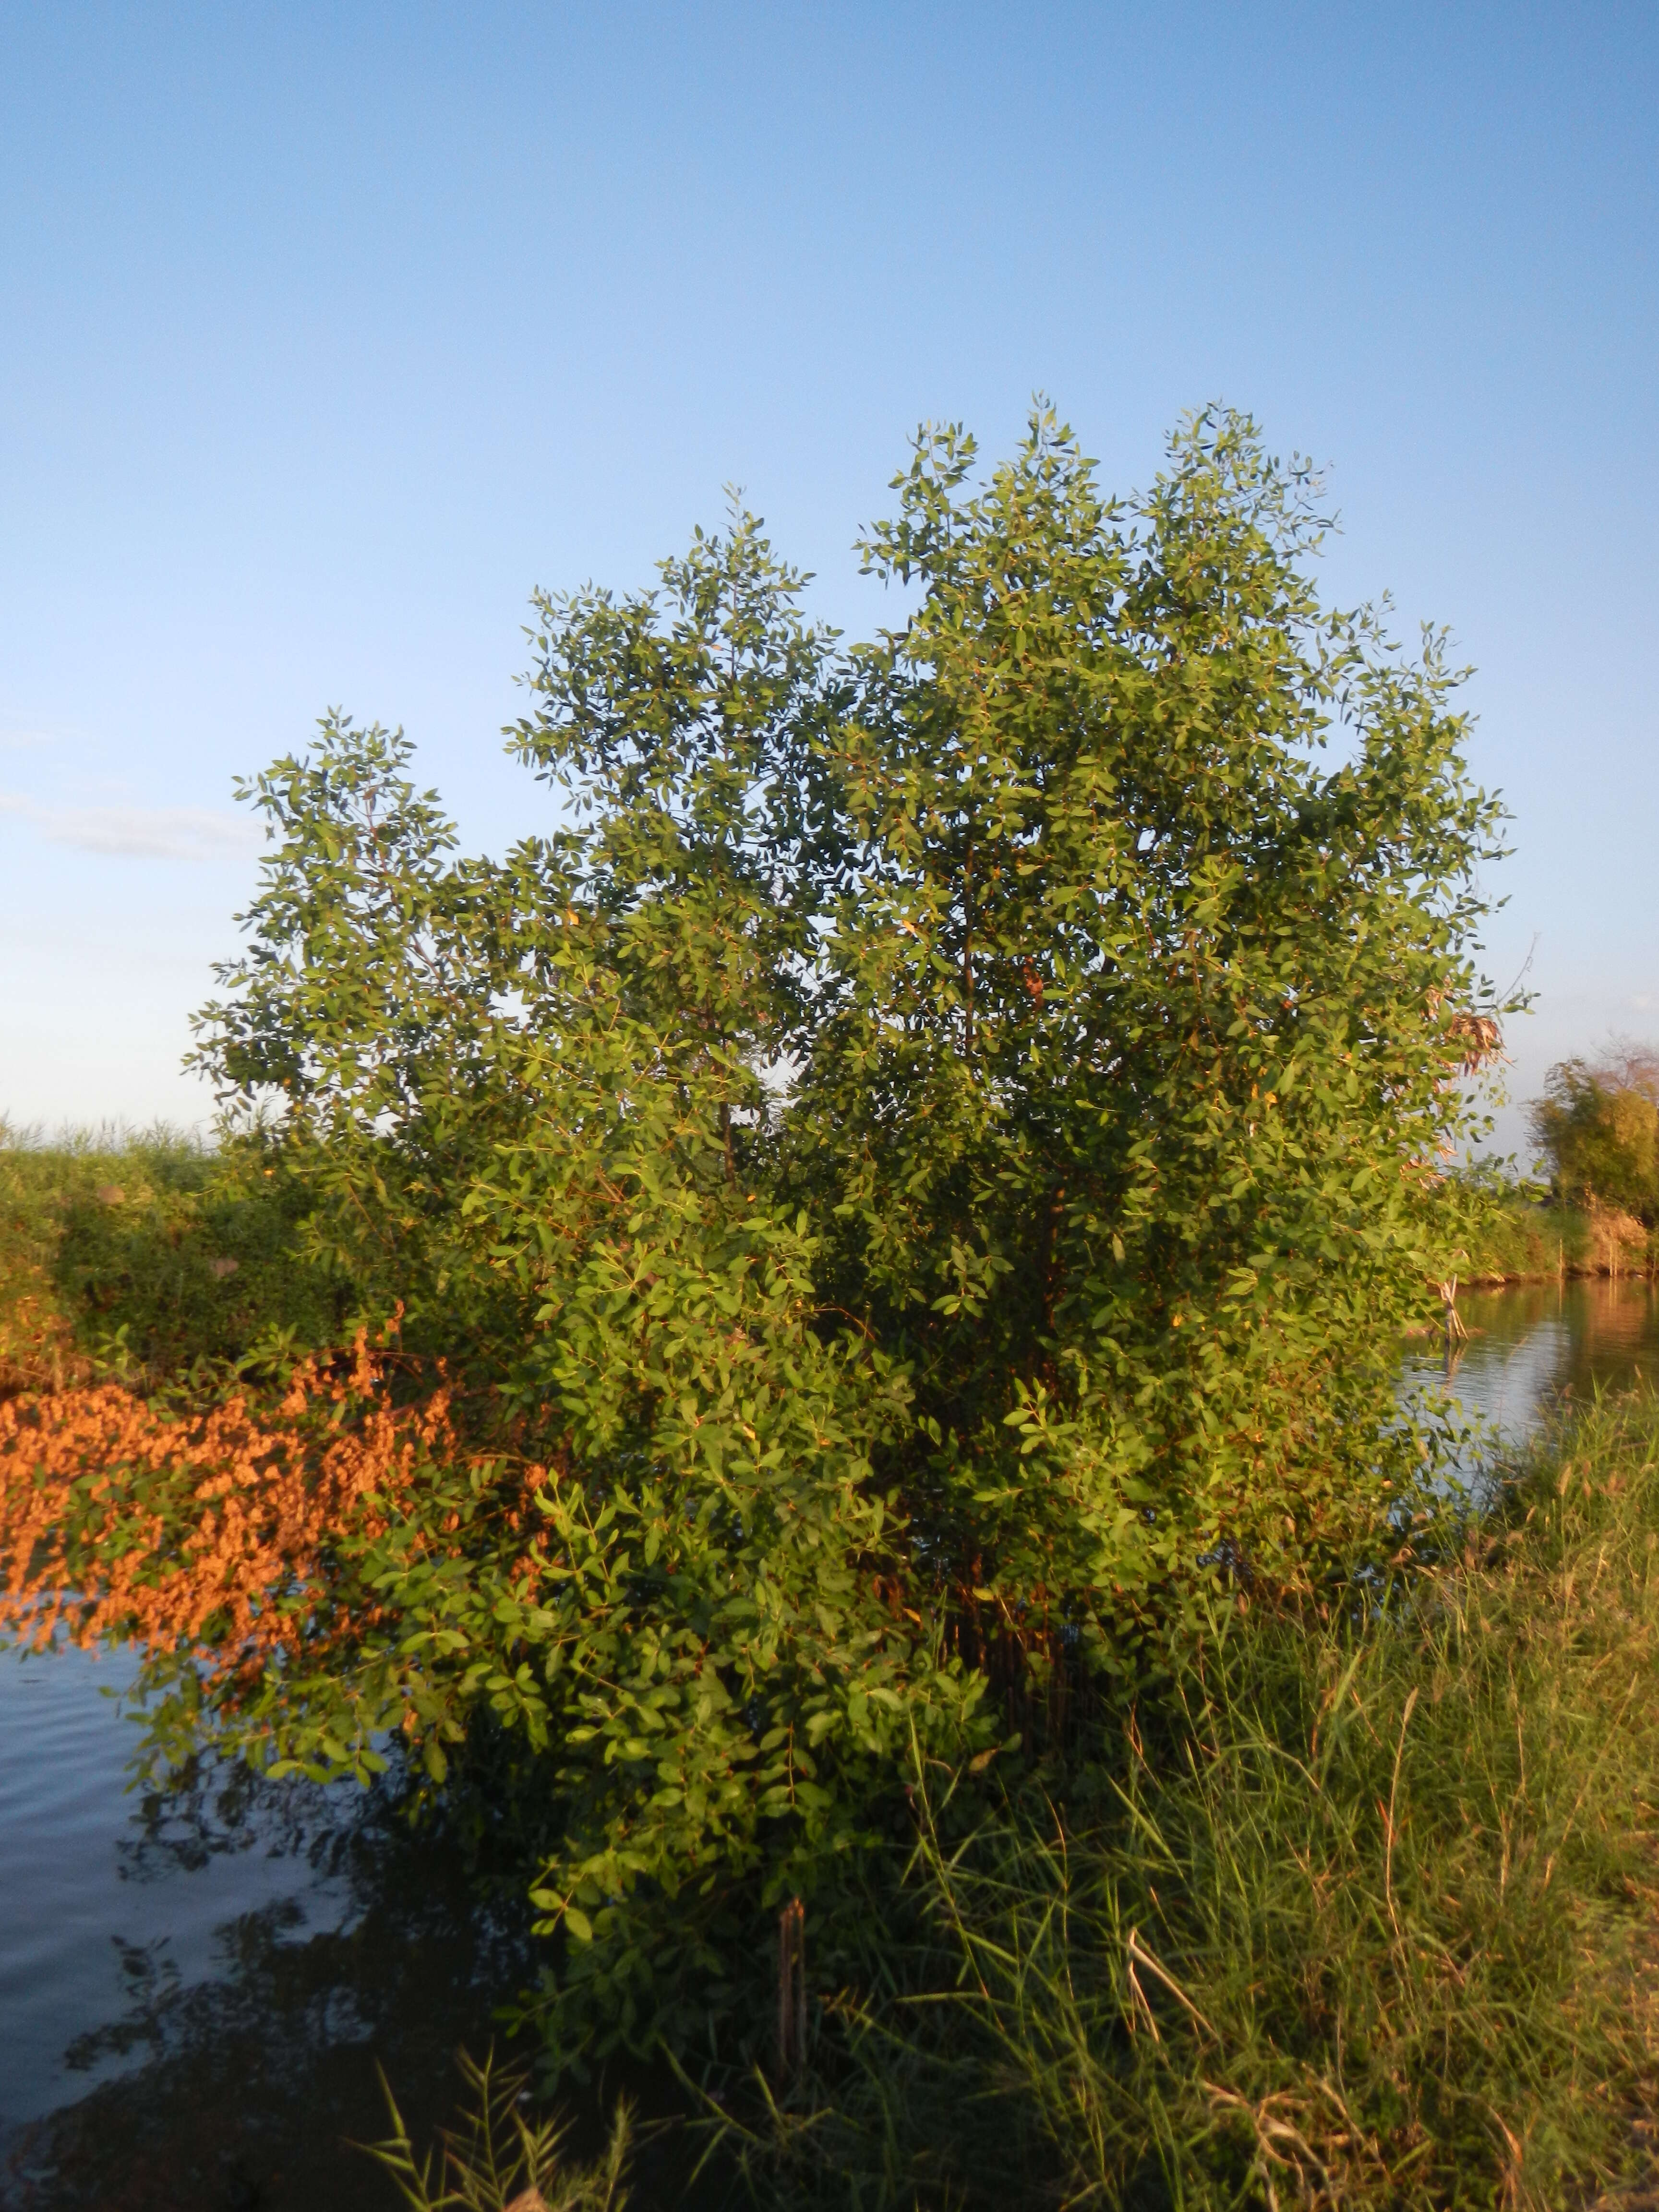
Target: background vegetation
pixel 1597 1125
pixel 147 1257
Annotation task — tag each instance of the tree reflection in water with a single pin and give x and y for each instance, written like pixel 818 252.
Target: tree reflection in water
pixel 249 2083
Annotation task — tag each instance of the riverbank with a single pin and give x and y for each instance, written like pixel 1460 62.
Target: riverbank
pixel 146 1255
pixel 152 1252
pixel 1516 1239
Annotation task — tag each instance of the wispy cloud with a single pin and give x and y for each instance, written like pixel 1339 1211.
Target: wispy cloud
pixel 147 833
pixel 19 741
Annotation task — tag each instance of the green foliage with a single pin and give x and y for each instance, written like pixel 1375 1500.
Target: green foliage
pixel 1361 1911
pixel 1598 1125
pixel 918 1171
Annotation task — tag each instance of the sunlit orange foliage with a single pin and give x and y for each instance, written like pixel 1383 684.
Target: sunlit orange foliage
pixel 206 1531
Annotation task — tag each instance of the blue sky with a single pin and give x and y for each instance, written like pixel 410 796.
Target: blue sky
pixel 326 332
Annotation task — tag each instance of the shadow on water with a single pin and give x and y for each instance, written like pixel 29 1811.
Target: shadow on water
pixel 238 2088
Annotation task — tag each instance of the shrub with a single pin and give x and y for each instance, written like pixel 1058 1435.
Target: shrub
pixel 914 1177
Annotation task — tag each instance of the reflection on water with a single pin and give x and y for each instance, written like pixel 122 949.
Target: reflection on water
pixel 195 1991
pixel 1534 1347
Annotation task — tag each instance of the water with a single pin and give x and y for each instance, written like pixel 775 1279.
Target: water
pixel 195 1992
pixel 66 1826
pixel 1535 1346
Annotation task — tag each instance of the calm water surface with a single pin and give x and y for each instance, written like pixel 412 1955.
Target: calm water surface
pixel 195 1991
pixel 1536 1346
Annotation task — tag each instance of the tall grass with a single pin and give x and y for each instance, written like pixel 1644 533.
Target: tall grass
pixel 501 2159
pixel 1356 1911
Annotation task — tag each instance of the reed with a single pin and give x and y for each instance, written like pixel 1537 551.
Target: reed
pixel 501 2159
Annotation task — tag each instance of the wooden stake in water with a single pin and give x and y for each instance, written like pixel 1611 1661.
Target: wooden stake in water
pixel 1456 1331
pixel 791 1989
